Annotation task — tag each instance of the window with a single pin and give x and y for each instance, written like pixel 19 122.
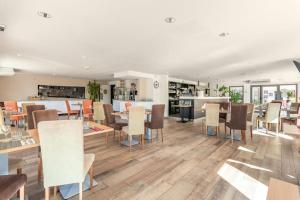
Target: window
pixel 267 93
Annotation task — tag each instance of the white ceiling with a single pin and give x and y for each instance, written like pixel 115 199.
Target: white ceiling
pixel 118 35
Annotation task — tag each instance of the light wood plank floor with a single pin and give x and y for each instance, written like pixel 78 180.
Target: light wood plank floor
pixel 185 166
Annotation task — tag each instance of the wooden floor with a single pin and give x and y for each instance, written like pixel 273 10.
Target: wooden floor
pixel 187 165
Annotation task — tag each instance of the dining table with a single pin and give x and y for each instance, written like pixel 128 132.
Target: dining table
pixel 29 139
pixel 125 115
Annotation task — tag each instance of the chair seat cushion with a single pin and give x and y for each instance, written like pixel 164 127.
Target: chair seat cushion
pixel 10 184
pixel 118 126
pixel 88 161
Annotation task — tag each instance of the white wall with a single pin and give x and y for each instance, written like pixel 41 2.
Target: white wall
pixel 145 89
pixel 21 86
pixel 161 94
pixel 106 97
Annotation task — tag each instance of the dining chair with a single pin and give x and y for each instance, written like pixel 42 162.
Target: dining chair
pixel 98 112
pixel 111 121
pixel 128 105
pixel 238 119
pixel 250 115
pixel 224 106
pixel 12 106
pixel 293 115
pixel 212 117
pixel 11 184
pixel 39 116
pixel 64 161
pixel 135 125
pixel 294 108
pixel 2 122
pixel 71 112
pixel 272 116
pixel 157 120
pixel 30 109
pixel 24 111
pixel 87 109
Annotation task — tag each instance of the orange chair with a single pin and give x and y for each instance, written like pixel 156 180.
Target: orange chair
pixel 70 111
pixel 127 106
pixel 12 106
pixel 87 109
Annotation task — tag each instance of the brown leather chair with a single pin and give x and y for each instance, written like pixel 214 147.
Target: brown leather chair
pixel 44 115
pixel 238 120
pixel 30 109
pixel 38 116
pixel 157 120
pixel 110 119
pixel 11 184
pixel 290 120
pixel 294 108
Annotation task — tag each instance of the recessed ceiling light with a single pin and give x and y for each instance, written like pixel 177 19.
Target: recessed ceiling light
pixel 18 54
pixel 224 34
pixel 87 67
pixel 2 27
pixel 170 20
pixel 44 14
pixel 83 57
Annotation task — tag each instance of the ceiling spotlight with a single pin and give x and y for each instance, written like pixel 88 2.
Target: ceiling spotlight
pixel 170 20
pixel 2 27
pixel 83 57
pixel 18 54
pixel 223 34
pixel 44 14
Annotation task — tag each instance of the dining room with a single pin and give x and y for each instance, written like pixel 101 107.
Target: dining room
pixel 149 100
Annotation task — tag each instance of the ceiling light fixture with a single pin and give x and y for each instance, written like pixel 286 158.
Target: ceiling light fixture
pixel 224 34
pixel 83 57
pixel 87 67
pixel 18 54
pixel 170 20
pixel 44 14
pixel 2 27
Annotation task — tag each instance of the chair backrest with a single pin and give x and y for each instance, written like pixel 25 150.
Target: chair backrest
pixel 277 101
pixel 127 106
pixel 30 109
pixel 44 115
pixel 273 112
pixel 157 116
pixel 136 123
pixel 24 107
pixel 1 118
pixel 250 112
pixel 212 114
pixel 62 151
pixel 108 109
pixel 11 106
pixel 68 106
pixel 87 106
pixel 98 111
pixel 238 117
pixel 225 105
pixel 295 108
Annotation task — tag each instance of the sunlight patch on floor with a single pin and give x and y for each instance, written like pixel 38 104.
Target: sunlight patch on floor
pixel 249 165
pixel 244 183
pixel 245 149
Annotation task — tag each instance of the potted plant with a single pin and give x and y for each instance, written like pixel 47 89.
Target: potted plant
pixel 223 90
pixel 235 97
pixel 94 90
pixel 289 95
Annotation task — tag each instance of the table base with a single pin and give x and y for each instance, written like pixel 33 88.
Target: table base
pixel 70 190
pixel 133 142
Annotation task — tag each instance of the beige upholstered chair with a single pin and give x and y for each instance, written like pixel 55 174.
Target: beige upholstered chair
pixel 135 124
pixel 212 116
pixel 250 114
pixel 98 112
pixel 1 118
pixel 64 161
pixel 272 116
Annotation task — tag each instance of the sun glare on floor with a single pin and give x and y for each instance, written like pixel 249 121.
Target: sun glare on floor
pixel 249 165
pixel 245 149
pixel 244 183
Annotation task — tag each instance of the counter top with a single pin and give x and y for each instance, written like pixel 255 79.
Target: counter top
pixel 133 101
pixel 204 97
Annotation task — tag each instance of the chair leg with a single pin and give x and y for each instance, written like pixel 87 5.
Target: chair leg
pixel 151 135
pixel 80 191
pixel 106 138
pixel 251 132
pixel 19 171
pixel 206 130
pixel 91 174
pixel 217 128
pixel 47 194
pixel 114 134
pixel 162 135
pixel 244 136
pixel 129 139
pixel 22 193
pixel 225 129
pixel 257 124
pixel 54 192
pixel 40 169
pixel 143 141
pixel 277 127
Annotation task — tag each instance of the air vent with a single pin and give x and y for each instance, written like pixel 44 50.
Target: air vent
pixel 297 64
pixel 2 27
pixel 257 81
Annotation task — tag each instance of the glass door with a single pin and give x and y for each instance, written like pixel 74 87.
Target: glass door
pixel 255 95
pixel 269 93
